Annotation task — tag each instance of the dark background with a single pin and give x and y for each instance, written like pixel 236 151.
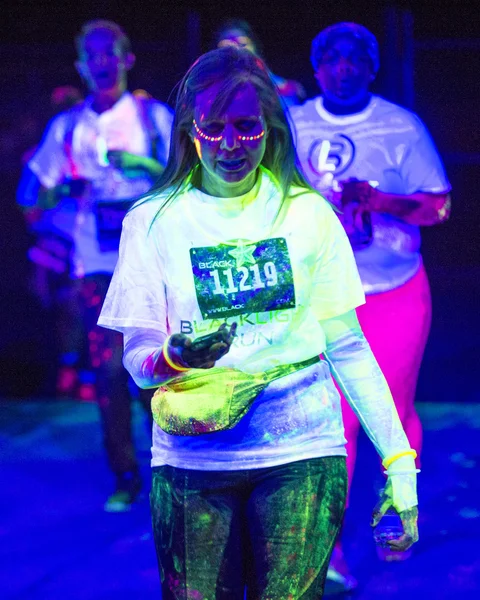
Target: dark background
pixel 430 63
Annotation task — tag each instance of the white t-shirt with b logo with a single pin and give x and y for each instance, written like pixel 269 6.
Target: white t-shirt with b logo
pixel 386 145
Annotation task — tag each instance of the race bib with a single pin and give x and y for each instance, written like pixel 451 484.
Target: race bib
pixel 109 218
pixel 249 278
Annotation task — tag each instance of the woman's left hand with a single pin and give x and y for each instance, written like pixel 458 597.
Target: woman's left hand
pixel 408 516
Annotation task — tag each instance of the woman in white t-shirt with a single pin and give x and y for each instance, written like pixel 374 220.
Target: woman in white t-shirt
pixel 377 162
pixel 233 242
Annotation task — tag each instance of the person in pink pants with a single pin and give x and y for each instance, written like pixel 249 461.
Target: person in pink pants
pixel 377 163
pixel 405 313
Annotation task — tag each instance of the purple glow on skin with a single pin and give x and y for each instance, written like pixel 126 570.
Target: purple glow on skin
pixel 345 72
pixel 229 165
pixel 103 64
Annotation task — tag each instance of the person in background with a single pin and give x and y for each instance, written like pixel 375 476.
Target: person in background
pixel 50 257
pixel 237 32
pixel 62 98
pixel 93 159
pixel 376 161
pixel 233 243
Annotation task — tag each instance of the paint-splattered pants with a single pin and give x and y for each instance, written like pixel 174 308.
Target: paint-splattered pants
pixel 270 530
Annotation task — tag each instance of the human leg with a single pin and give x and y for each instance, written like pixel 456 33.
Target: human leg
pixel 198 532
pixel 397 324
pixel 105 351
pixel 74 375
pixel 294 515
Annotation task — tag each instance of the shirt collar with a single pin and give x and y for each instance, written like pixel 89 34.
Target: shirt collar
pixel 363 115
pixel 125 98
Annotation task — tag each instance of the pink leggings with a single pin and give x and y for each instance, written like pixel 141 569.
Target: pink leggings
pixel 396 324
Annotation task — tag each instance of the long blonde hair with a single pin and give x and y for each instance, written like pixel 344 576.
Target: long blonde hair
pixel 233 68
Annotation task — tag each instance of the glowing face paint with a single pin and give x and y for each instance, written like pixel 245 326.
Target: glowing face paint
pixel 211 138
pixel 231 145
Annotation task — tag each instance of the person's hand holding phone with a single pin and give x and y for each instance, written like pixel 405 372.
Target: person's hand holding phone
pixel 202 352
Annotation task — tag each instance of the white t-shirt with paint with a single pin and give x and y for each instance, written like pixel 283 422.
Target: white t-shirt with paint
pixel 388 146
pixel 121 127
pixel 186 272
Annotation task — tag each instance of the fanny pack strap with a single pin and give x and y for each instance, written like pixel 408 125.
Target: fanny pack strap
pixel 283 370
pixel 264 376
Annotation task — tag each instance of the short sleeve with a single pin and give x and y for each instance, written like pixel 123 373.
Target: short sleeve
pixel 422 169
pixel 136 296
pixel 50 163
pixel 336 285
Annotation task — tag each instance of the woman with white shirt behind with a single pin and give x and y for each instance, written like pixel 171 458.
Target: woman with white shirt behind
pixel 376 161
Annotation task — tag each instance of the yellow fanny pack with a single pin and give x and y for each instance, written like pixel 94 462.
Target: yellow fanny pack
pixel 207 400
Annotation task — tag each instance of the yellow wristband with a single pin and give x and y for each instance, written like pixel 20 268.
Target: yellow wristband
pixel 168 360
pixel 386 462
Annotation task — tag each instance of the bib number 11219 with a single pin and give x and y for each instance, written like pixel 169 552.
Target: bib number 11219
pixel 250 278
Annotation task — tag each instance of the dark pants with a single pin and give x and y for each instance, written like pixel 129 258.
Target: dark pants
pixel 70 326
pixel 114 399
pixel 271 530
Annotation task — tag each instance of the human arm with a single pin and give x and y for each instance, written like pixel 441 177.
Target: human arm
pixel 136 305
pixel 358 375
pixel 126 161
pixel 151 357
pixel 50 174
pixel 422 189
pixel 31 193
pixel 158 118
pixel 418 208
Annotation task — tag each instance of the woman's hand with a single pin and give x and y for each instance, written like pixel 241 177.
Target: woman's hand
pixel 361 192
pixel 124 161
pixel 131 163
pixel 419 208
pixel 77 188
pixel 203 352
pixel 408 516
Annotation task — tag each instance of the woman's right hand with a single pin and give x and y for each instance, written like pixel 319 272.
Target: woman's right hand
pixel 203 352
pixel 408 516
pixel 400 493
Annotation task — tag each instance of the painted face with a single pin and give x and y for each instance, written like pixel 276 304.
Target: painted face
pixel 345 73
pixel 102 63
pixel 236 37
pixel 230 146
